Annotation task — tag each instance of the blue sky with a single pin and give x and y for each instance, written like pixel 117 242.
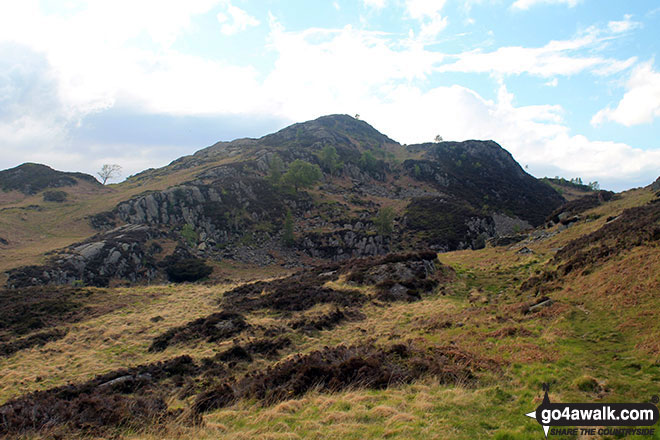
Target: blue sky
pixel 569 87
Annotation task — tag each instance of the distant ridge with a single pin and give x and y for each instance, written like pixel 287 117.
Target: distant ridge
pixel 30 178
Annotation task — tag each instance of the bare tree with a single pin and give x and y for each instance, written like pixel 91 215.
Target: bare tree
pixel 108 171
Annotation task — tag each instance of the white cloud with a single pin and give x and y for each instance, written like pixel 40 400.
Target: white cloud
pixel 324 71
pixel 377 4
pixel 641 102
pixel 235 20
pixel 552 83
pixel 89 54
pixel 526 4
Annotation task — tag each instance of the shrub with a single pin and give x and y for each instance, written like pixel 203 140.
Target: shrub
pixel 384 220
pixel 287 235
pixel 187 269
pixel 275 172
pixel 189 234
pixel 330 159
pixel 302 174
pixel 55 196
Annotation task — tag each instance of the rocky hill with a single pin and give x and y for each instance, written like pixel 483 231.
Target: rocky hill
pixel 30 178
pixel 371 196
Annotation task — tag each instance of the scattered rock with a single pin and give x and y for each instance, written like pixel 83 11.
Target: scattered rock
pixel 544 302
pixel 507 240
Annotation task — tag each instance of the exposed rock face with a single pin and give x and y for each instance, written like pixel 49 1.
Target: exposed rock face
pixel 219 211
pixel 505 225
pixel 484 193
pixel 118 253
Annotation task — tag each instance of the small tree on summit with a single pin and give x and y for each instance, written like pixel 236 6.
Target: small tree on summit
pixel 109 171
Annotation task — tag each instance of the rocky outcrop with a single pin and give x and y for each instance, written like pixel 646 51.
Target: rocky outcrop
pixel 443 224
pixel 118 253
pixel 655 186
pixel 344 244
pixel 399 277
pixel 458 195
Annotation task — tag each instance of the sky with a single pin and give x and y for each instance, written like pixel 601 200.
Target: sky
pixel 570 88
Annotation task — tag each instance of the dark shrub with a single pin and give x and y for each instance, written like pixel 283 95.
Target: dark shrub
pixel 187 269
pixel 337 368
pixel 55 196
pixel 215 327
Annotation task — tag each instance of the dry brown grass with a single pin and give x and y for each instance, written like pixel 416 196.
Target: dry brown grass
pixel 115 340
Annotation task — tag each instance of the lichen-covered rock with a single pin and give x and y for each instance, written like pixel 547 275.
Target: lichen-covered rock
pixel 344 244
pixel 119 253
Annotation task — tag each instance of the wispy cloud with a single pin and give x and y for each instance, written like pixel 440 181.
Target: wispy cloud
pixel 625 25
pixel 557 57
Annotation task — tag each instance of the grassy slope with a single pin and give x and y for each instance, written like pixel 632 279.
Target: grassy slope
pixel 599 342
pixel 568 190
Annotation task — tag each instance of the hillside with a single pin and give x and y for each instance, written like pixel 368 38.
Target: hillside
pixel 407 345
pixel 568 189
pixel 228 203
